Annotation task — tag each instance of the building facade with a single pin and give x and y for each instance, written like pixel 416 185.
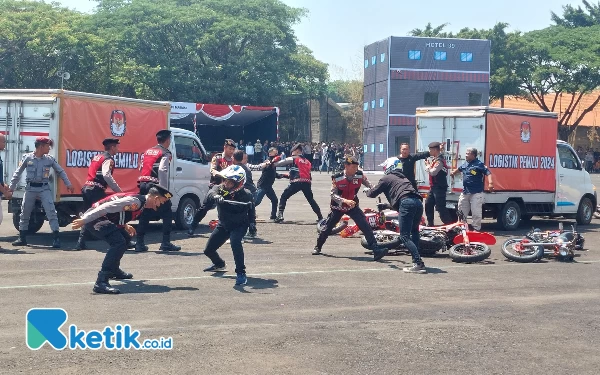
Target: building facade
pixel 404 73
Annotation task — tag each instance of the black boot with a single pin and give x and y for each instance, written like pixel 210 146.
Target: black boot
pixel 166 244
pixel 119 274
pixel 81 241
pixel 140 246
pixel 56 241
pixel 22 240
pixel 131 244
pixel 279 218
pixel 102 286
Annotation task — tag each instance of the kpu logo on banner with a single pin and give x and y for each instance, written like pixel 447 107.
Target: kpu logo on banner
pixel 44 326
pixel 118 123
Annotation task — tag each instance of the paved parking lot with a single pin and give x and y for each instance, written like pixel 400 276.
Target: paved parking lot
pixel 340 313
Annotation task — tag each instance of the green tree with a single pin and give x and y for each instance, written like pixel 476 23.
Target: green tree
pixel 565 62
pixel 578 17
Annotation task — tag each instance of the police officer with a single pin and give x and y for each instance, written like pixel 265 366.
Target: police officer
pixel 217 164
pixel 155 171
pixel 98 179
pixel 300 180
pixel 107 220
pixel 344 187
pixel 438 181
pixel 38 165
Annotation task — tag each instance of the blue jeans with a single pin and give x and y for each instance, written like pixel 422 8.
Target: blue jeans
pixel 270 193
pixel 411 210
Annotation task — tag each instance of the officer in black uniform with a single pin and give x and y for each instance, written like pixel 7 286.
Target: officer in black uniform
pixel 438 181
pixel 107 220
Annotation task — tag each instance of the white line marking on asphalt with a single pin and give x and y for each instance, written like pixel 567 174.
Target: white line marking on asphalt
pixel 289 273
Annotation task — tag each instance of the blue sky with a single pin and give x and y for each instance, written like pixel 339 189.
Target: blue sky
pixel 337 30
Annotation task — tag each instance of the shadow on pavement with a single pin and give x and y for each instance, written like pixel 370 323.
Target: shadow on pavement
pixel 358 259
pixel 13 252
pixel 140 286
pixel 256 283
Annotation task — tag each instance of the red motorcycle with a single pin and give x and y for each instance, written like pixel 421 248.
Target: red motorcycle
pixel 462 244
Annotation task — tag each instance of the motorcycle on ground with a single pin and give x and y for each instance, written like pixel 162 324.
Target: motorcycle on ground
pixel 536 244
pixel 463 245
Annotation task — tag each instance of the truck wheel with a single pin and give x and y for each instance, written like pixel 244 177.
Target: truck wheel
pixel 185 213
pixel 510 216
pixel 36 221
pixel 585 212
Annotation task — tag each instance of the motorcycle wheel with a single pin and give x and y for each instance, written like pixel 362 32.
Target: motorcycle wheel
pixel 476 252
pixel 385 239
pixel 430 245
pixel 525 256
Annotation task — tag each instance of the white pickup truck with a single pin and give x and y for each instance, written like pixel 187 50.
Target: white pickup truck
pixel 78 122
pixel 534 173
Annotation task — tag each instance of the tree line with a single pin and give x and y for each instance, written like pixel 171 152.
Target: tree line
pixel 246 52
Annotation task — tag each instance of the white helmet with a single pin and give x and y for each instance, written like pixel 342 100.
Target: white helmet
pixel 236 174
pixel 390 164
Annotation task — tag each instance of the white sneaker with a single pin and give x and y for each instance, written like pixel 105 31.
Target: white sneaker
pixel 415 268
pixel 229 241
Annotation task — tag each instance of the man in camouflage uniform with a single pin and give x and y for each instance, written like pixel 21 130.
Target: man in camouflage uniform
pixel 38 165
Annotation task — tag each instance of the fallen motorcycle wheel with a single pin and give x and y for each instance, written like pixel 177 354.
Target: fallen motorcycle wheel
pixel 430 245
pixel 513 250
pixel 474 252
pixel 385 239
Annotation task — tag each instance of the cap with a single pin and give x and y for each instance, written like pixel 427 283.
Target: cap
pixel 350 160
pixel 230 142
pixel 163 133
pixel 110 141
pixel 44 140
pixel 273 149
pixel 434 144
pixel 258 140
pixel 163 192
pixel 296 146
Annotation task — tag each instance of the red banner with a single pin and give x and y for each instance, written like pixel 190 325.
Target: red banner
pixel 521 152
pixel 85 123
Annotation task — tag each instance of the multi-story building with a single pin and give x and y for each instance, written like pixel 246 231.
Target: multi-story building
pixel 404 73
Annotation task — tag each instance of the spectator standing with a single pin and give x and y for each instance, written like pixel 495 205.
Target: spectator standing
pixel 250 151
pixel 317 159
pixel 589 161
pixel 258 152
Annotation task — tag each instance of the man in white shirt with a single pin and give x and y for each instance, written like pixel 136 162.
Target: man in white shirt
pixel 250 151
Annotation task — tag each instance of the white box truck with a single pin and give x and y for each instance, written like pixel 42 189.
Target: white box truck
pixel 534 173
pixel 78 122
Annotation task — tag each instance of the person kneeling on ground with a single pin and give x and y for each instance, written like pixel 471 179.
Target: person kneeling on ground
pixel 344 200
pixel 107 220
pixel 234 206
pixel 403 198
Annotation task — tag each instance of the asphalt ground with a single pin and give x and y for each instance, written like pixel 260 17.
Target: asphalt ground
pixel 338 313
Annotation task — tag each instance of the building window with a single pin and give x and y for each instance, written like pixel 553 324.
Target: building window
pixel 414 55
pixel 372 103
pixel 382 59
pixel 466 57
pixel 365 148
pixel 373 60
pixel 365 106
pixel 380 102
pixel 440 55
pixel 475 99
pixel 366 63
pixel 431 99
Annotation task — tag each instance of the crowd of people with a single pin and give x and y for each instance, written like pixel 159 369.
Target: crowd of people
pixel 324 157
pixel 590 158
pixel 235 196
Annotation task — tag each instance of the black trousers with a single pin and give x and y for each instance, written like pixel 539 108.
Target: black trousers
pixel 90 196
pixel 355 214
pixel 218 237
pixel 305 188
pixel 164 211
pixel 117 240
pixel 437 199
